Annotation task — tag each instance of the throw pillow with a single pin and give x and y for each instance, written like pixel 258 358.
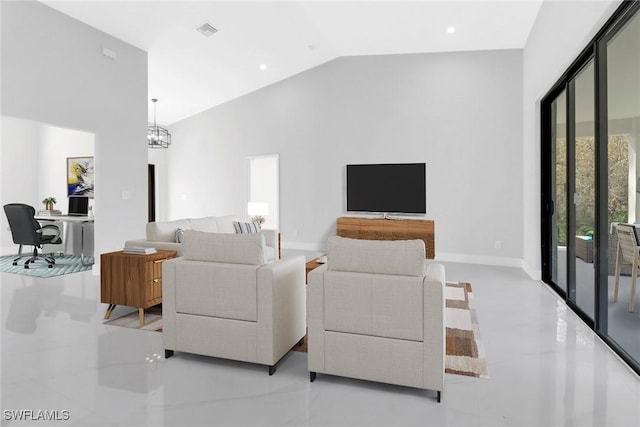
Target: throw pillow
pixel 246 227
pixel 179 233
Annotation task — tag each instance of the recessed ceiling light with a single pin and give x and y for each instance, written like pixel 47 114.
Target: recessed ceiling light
pixel 451 29
pixel 263 67
pixel 206 29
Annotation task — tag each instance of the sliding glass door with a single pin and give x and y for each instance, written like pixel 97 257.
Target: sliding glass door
pixel 591 180
pixel 559 186
pixel 582 146
pixel 623 138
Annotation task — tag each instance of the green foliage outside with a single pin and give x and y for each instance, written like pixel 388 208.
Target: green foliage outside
pixel 618 205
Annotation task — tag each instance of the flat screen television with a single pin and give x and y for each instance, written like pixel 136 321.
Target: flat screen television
pixel 387 188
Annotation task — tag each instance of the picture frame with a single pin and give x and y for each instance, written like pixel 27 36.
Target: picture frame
pixel 80 174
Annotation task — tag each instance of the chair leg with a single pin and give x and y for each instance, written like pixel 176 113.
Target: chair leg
pixel 618 270
pixel 15 260
pixel 36 256
pixel 634 276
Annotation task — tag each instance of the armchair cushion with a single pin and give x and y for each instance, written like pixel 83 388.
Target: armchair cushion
pixel 219 290
pixel 395 257
pixel 224 248
pixel 375 305
pixel 165 231
pixel 225 224
pixel 206 224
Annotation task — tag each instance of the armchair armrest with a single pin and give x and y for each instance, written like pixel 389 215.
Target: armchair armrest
pixel 315 319
pixel 51 227
pixel 271 239
pixel 169 334
pixel 434 327
pixel 281 307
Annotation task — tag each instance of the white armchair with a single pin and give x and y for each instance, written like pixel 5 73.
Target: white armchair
pixel 222 299
pixel 375 311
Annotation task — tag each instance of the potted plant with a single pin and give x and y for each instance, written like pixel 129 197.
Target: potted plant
pixel 49 202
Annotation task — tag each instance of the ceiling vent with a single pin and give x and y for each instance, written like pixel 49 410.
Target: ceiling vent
pixel 206 29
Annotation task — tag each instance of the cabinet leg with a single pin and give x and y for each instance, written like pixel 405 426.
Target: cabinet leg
pixel 168 353
pixel 110 309
pixel 141 316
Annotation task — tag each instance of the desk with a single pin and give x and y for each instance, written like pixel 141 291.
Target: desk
pixel 73 219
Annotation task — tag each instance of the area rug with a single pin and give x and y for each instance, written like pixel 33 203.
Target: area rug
pixel 65 264
pixel 465 353
pixel 152 320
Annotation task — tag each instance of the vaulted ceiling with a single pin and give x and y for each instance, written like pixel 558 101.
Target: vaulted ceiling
pixel 261 42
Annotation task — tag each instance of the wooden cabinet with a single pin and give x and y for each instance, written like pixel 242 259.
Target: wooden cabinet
pixel 133 280
pixel 389 229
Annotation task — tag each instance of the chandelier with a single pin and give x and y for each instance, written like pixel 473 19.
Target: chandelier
pixel 157 136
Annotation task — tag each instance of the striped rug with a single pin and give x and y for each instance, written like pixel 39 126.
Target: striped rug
pixel 465 353
pixel 65 264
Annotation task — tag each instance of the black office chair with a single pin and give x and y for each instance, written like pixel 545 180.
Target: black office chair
pixel 25 230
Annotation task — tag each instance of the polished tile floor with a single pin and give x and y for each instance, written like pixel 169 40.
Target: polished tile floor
pixel 546 367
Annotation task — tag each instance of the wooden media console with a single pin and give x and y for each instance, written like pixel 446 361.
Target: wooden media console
pixel 389 229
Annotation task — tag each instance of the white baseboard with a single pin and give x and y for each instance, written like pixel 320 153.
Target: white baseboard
pixel 442 256
pixel 13 250
pixel 533 273
pixel 303 246
pixel 479 259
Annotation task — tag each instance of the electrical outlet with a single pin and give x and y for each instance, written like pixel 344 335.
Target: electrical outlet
pixel 497 244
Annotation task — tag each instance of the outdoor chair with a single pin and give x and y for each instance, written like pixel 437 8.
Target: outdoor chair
pixel 628 255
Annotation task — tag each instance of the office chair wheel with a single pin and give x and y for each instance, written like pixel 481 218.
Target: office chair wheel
pixel 50 265
pixel 15 263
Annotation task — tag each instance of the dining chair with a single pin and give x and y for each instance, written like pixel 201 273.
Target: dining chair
pixel 628 255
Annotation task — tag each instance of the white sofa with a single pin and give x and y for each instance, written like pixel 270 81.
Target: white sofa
pixel 375 311
pixel 222 299
pixel 162 234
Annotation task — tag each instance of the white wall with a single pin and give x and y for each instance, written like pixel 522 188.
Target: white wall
pixel 461 113
pixel 561 31
pixel 53 72
pixel 24 180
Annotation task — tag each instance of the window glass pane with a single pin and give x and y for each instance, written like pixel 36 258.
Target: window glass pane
pixel 623 124
pixel 584 198
pixel 559 189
